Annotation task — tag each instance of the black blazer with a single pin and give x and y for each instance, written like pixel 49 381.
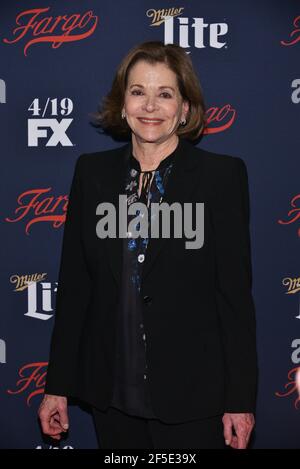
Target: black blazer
pixel 198 309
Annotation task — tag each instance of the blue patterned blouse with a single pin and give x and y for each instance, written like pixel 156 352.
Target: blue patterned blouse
pixel 131 392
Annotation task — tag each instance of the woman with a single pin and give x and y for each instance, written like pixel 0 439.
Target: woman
pixel 158 338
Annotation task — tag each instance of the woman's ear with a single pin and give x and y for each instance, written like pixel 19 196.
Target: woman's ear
pixel 186 108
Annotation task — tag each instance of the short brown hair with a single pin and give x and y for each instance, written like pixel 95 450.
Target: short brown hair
pixel 109 117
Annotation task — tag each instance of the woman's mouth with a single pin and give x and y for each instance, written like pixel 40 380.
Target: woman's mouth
pixel 150 121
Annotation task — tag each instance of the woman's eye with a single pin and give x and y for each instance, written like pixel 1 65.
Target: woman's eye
pixel 138 92
pixel 167 95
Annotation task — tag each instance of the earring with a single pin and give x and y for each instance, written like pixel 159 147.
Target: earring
pixel 183 122
pixel 123 114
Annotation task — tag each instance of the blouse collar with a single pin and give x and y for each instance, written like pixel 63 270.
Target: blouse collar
pixel 134 163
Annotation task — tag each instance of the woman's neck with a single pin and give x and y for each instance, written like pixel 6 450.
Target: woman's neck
pixel 149 154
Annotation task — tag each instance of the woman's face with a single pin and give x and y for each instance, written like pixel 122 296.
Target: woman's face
pixel 153 104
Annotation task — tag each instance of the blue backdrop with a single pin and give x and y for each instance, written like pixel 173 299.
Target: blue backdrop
pixel 58 60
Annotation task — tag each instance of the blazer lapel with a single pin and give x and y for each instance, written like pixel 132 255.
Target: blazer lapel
pixel 181 182
pixel 183 178
pixel 112 187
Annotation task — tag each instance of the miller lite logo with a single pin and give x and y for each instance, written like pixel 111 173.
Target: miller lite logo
pixel 195 32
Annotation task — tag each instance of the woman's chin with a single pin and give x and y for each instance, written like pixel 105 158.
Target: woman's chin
pixel 149 136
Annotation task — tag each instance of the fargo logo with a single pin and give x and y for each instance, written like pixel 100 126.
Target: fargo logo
pixel 191 33
pixel 33 26
pixel 53 131
pixel 41 207
pixel 219 118
pixel 292 385
pixel 32 381
pixel 293 215
pixel 294 34
pixel 2 91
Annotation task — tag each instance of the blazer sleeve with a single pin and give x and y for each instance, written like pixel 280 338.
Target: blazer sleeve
pixel 233 290
pixel 72 298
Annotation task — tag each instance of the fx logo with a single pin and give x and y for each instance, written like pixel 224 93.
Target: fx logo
pixel 39 129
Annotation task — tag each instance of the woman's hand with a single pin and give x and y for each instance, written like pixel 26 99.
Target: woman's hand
pixel 53 414
pixel 242 424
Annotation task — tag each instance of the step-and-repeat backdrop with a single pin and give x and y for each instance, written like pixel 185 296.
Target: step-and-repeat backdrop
pixel 58 59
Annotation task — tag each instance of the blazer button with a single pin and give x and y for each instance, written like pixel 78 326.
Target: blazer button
pixel 147 299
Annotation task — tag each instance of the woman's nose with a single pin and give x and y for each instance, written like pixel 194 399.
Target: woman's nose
pixel 150 103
